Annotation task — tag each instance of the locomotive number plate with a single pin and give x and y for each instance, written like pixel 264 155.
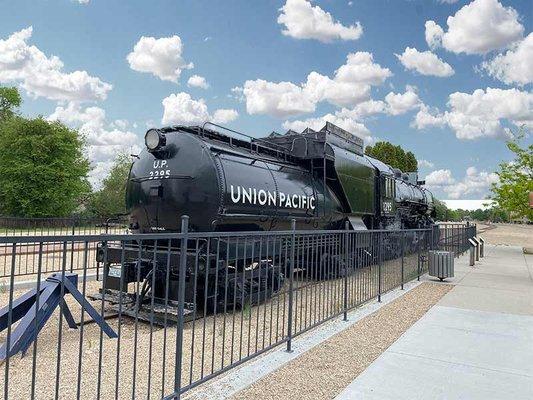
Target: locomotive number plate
pixel 387 207
pixel 114 272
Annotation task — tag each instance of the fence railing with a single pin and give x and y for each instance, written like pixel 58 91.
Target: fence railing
pixel 192 305
pixel 17 226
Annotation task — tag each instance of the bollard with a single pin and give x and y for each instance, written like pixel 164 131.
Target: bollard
pixel 477 247
pixel 473 245
pixel 481 247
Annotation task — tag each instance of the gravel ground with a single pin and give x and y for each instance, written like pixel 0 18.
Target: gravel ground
pixel 507 234
pixel 324 371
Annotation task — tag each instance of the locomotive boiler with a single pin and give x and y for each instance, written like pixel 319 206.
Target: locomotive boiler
pixel 237 183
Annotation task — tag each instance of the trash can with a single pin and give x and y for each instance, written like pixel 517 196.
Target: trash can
pixel 441 264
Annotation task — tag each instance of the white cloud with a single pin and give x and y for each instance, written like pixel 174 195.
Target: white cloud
pixel 400 103
pixel 318 123
pixel 365 109
pixel 515 66
pixel 480 114
pixel 479 27
pixel 277 99
pixel 224 115
pixel 426 118
pixel 180 108
pixel 160 57
pixel 425 164
pixel 303 21
pixel 104 140
pixel 425 63
pixel 433 34
pixel 197 81
pixel 439 178
pixel 43 76
pixel 361 68
pixel 394 104
pixel 475 183
pixel 350 85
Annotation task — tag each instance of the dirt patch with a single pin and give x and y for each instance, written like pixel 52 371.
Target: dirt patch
pixel 507 234
pixel 324 371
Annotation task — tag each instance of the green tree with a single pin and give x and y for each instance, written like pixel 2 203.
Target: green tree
pixel 43 171
pixel 511 193
pixel 9 100
pixel 393 155
pixel 111 198
pixel 411 163
pixel 441 211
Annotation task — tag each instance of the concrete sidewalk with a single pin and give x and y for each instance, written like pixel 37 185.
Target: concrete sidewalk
pixel 476 343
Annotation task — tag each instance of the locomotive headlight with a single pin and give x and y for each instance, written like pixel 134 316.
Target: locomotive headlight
pixel 154 139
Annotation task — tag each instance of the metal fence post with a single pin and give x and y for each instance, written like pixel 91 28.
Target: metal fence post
pixel 72 246
pixel 181 305
pixel 418 256
pixel 380 240
pixel 402 248
pixel 291 279
pixel 346 268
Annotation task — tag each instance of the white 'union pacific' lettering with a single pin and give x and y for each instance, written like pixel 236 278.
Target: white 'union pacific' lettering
pixel 240 194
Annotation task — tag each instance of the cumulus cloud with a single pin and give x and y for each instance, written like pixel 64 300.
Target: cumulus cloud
pixel 349 86
pixel 197 81
pixel 515 66
pixel 180 108
pixel 365 109
pixel 476 115
pixel 400 103
pixel 394 104
pixel 161 57
pixel 351 119
pixel 425 63
pixel 104 140
pixel 478 28
pixel 433 34
pixel 475 183
pixel 425 164
pixel 280 99
pixel 301 20
pixel 224 115
pixel 43 76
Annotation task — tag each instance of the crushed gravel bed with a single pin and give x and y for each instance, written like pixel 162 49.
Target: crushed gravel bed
pixel 324 371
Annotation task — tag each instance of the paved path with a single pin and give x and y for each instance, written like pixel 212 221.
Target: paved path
pixel 476 343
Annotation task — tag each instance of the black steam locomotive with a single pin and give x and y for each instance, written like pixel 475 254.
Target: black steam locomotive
pixel 224 183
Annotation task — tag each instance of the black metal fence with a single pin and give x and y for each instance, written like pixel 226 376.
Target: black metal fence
pixel 454 236
pixel 43 227
pixel 192 305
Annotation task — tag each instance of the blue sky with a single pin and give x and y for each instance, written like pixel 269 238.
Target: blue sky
pixel 233 44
